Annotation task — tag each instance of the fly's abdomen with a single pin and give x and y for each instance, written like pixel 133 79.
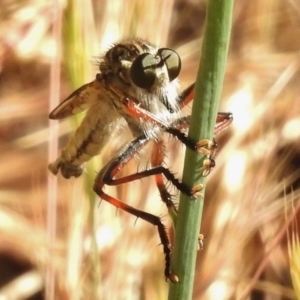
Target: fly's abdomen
pixel 94 133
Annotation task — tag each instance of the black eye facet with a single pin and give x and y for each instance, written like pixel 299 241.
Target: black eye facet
pixel 142 71
pixel 143 68
pixel 172 62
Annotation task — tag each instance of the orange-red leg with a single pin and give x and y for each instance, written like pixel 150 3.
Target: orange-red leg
pixel 157 157
pixel 107 177
pixel 205 147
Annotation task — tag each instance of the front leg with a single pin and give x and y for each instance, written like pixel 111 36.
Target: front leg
pixel 205 147
pixel 133 108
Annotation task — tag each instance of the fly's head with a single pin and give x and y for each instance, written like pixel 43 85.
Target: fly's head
pixel 137 69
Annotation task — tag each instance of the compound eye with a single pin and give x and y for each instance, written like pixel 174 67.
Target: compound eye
pixel 172 62
pixel 142 71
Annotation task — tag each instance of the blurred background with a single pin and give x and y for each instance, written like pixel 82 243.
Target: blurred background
pixel 57 241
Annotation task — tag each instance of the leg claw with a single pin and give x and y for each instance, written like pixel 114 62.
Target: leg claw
pixel 200 241
pixel 195 191
pixel 173 278
pixel 207 148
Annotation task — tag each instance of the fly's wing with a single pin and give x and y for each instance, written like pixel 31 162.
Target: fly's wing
pixel 79 100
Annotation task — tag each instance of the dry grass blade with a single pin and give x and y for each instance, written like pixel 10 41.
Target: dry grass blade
pixel 294 250
pixel 294 253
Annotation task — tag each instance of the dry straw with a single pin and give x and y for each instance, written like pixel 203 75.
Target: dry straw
pixel 244 207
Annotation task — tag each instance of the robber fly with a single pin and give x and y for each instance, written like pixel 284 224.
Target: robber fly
pixel 137 85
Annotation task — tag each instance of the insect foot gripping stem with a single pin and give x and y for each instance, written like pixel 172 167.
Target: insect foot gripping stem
pixel 195 191
pixel 201 238
pixel 173 278
pixel 209 149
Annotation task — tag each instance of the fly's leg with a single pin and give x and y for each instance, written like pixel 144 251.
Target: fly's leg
pixel 186 96
pixel 193 192
pixel 98 188
pixel 201 239
pixel 135 110
pixel 156 160
pixel 223 121
pixel 205 147
pixel 107 177
pixel 157 157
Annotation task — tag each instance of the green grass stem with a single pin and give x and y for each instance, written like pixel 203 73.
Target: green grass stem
pixel 208 92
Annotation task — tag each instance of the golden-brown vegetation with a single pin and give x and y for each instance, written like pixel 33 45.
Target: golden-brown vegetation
pixel 84 252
